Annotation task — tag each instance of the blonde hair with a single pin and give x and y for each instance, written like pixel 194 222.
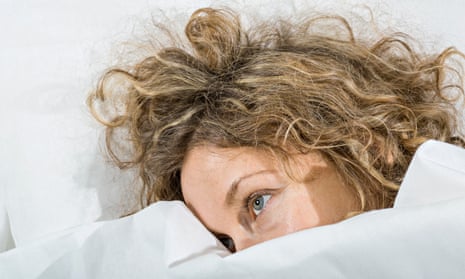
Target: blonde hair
pixel 366 107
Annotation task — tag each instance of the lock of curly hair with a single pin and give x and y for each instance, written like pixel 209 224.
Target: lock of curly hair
pixel 365 106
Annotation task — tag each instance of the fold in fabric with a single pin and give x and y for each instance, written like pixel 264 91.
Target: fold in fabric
pixel 436 173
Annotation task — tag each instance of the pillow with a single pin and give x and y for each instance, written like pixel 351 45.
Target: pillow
pixel 54 175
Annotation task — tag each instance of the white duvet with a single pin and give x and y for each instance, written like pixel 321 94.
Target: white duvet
pixel 423 236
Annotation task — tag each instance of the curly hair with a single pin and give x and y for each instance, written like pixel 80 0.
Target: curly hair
pixel 365 105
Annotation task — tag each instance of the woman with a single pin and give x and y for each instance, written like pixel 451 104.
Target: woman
pixel 279 128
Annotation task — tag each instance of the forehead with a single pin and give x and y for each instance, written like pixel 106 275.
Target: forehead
pixel 213 169
pixel 208 172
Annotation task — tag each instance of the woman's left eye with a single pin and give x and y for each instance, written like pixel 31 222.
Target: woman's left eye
pixel 259 203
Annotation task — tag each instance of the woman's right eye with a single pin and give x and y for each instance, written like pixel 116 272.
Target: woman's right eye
pixel 228 243
pixel 259 203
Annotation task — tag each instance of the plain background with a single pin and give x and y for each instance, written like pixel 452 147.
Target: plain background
pixel 52 173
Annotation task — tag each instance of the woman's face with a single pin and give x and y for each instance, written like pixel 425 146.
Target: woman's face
pixel 244 196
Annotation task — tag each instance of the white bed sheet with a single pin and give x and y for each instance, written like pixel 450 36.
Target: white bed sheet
pixel 422 237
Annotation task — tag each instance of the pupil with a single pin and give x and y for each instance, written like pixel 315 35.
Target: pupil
pixel 258 202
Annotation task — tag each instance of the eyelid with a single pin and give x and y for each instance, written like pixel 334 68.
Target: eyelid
pixel 248 201
pixel 246 216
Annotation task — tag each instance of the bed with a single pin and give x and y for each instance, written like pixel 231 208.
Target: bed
pixel 59 198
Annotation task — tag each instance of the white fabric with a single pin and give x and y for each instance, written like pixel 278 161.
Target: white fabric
pixel 6 241
pixel 413 240
pixel 435 174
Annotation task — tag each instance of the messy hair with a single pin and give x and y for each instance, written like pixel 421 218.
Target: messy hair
pixel 365 105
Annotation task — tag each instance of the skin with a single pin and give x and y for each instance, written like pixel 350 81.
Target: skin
pixel 221 185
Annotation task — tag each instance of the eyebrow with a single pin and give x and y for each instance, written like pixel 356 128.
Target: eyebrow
pixel 233 189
